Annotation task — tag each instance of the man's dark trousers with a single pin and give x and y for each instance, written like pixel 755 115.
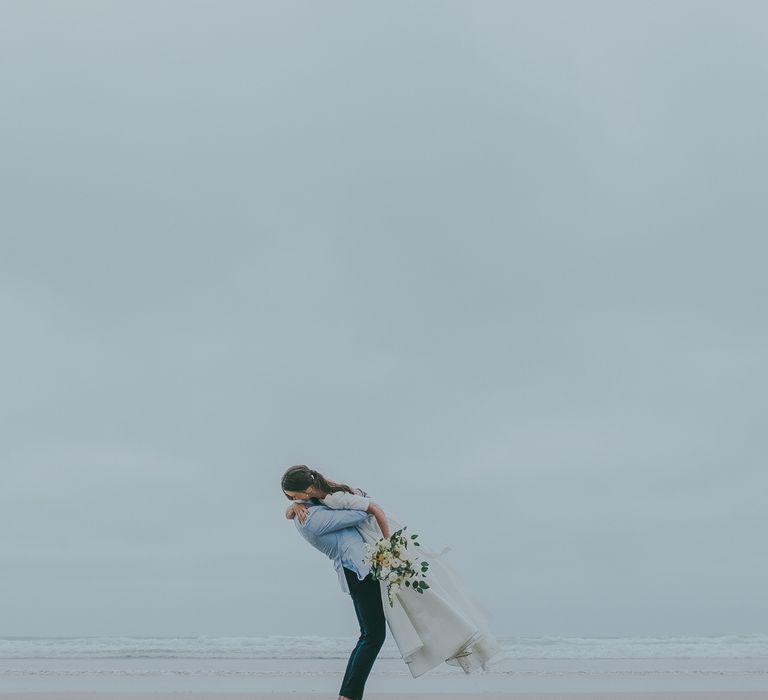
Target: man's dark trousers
pixel 366 596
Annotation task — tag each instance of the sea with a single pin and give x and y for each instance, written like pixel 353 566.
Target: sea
pixel 736 662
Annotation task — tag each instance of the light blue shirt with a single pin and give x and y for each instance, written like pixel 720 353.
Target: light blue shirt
pixel 333 532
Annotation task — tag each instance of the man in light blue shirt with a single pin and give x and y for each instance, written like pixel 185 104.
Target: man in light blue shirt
pixel 333 532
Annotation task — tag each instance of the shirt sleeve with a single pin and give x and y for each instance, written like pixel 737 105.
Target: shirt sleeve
pixel 322 520
pixel 342 499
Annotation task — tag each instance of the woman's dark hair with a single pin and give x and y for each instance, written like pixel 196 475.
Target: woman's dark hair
pixel 300 477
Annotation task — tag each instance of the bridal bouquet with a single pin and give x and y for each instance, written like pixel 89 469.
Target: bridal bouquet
pixel 390 563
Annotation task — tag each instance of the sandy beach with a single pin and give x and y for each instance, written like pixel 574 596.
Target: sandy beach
pixel 312 668
pixel 391 696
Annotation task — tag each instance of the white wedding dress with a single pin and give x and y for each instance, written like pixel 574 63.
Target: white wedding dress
pixel 442 624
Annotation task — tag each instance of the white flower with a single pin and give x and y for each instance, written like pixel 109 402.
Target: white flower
pixel 396 563
pixel 392 576
pixel 393 589
pixel 385 573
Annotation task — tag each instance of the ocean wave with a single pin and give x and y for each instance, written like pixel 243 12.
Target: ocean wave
pixel 729 646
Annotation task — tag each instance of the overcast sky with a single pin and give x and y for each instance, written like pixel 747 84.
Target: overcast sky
pixel 500 264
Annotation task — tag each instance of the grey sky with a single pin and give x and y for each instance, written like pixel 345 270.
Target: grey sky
pixel 501 264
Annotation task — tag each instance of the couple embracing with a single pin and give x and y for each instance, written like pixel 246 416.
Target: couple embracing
pixel 442 624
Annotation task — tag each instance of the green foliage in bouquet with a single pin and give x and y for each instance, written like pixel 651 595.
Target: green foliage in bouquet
pixel 390 563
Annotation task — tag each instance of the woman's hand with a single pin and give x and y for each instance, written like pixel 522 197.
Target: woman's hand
pixel 381 518
pixel 300 511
